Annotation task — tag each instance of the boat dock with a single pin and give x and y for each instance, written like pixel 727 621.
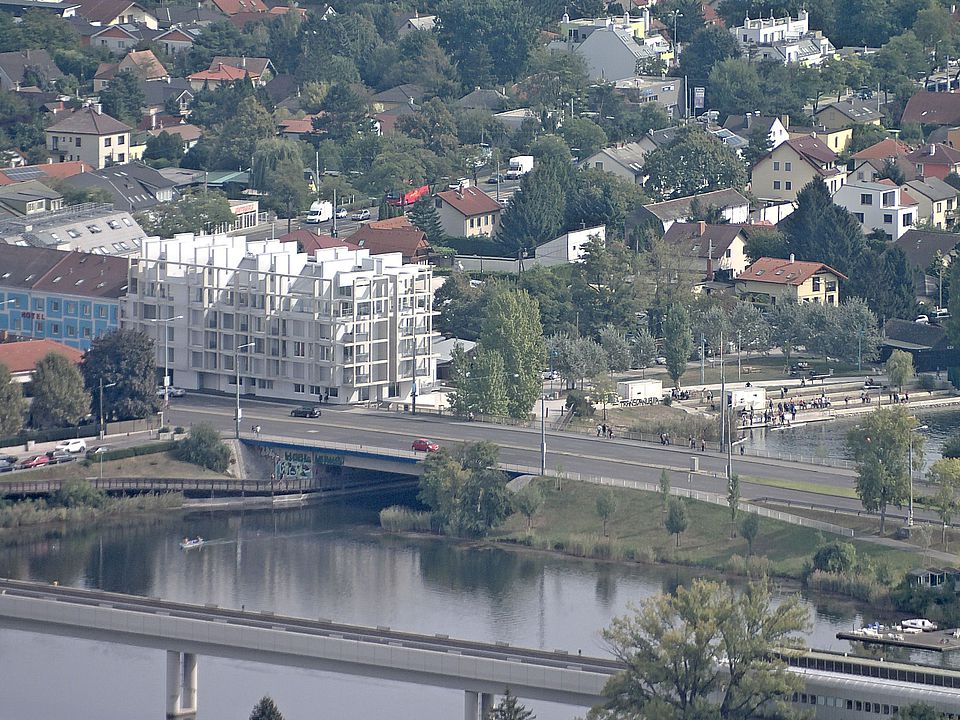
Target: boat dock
pixel 936 640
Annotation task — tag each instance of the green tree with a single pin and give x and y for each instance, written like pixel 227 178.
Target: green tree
pixel 528 502
pixel 889 292
pixel 689 17
pixel 644 349
pixel 820 231
pixel 664 494
pixel 78 493
pixel 343 113
pixel 576 358
pixel 749 527
pixel 124 361
pixel 677 520
pixel 835 557
pixel 677 341
pixel 595 197
pixel 584 134
pixel 672 643
pixel 879 446
pixel 945 476
pixel 919 711
pixel 512 329
pixel 195 212
pixel 899 368
pixel 165 147
pixel 606 506
pixel 734 85
pixel 535 213
pixel 59 399
pixel 278 172
pixel 509 708
pixel 733 501
pixel 13 408
pixel 709 45
pixel 241 132
pixel 481 383
pixel 204 447
pixel 694 162
pixel 266 709
pixel 604 287
pixel 787 327
pixel 424 215
pixel 123 98
pixel 462 307
pixel 617 348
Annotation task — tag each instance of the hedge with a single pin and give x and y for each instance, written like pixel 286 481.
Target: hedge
pixel 83 431
pixel 476 245
pixel 136 451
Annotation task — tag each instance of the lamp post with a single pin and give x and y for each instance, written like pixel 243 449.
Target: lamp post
pixel 676 16
pixel 166 361
pixel 543 434
pixel 236 367
pixel 102 416
pixel 910 468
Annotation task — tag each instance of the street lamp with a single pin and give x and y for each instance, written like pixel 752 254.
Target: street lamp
pixel 102 416
pixel 236 367
pixel 910 461
pixel 543 434
pixel 676 16
pixel 166 362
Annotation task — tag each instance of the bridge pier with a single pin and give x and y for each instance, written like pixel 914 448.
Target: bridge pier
pixel 486 705
pixel 181 684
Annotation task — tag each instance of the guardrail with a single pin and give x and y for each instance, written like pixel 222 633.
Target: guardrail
pixel 206 485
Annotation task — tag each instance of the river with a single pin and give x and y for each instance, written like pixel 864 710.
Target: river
pixel 326 561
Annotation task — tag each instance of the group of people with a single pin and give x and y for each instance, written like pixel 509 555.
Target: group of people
pixel 693 444
pixel 604 430
pixel 679 394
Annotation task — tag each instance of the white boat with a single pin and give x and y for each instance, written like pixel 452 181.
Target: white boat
pixel 919 624
pixel 190 543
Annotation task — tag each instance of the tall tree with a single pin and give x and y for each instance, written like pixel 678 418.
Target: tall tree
pixel 881 276
pixel 509 708
pixel 13 408
pixel 749 527
pixel 606 507
pixel 899 368
pixel 617 348
pixel 196 212
pixel 945 476
pixel 59 398
pixel 820 231
pixel 733 501
pixel 880 447
pixel 677 520
pixel 512 329
pixel 266 709
pixel 123 98
pixel 241 132
pixel 424 215
pixel 124 361
pixel 664 486
pixel 672 642
pixel 677 341
pixel 605 288
pixel 480 381
pixel 694 162
pixel 343 113
pixel 535 213
pixel 165 147
pixel 734 85
pixel 709 45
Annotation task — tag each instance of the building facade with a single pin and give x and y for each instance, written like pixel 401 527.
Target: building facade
pixel 337 326
pixel 879 205
pixel 467 211
pixel 69 297
pixel 89 136
pixel 782 173
pixel 772 281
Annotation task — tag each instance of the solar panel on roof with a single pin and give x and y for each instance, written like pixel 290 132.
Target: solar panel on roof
pixel 20 174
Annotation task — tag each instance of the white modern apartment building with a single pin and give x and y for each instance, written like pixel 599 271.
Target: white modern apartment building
pixel 765 31
pixel 879 205
pixel 340 326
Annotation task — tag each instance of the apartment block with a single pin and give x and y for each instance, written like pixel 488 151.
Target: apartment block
pixel 338 326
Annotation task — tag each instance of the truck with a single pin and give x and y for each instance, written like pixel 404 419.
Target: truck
pixel 751 398
pixel 519 166
pixel 407 198
pixel 639 392
pixel 320 211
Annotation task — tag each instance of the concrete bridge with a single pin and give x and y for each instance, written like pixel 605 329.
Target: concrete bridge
pixel 837 686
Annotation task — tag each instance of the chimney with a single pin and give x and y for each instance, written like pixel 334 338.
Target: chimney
pixel 153 121
pixel 749 118
pixel 785 121
pixel 701 228
pixel 933 149
pixel 243 62
pixel 791 258
pixel 98 108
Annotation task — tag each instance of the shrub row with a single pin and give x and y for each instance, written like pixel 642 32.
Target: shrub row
pixel 400 519
pixel 858 586
pixel 136 451
pixel 82 431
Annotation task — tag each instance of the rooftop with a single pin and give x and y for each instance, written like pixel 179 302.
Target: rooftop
pixel 933 108
pixel 702 239
pixel 470 201
pixel 23 356
pixel 886 148
pixel 785 272
pixel 87 121
pixel 922 246
pixel 66 272
pixel 680 207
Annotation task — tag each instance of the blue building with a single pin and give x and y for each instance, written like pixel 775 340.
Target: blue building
pixel 67 296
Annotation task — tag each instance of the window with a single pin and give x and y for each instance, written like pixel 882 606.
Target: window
pixel 71 331
pixel 76 141
pixel 107 142
pixel 54 328
pixel 438 203
pixel 120 157
pixel 816 284
pixel 299 349
pixel 859 217
pixel 121 140
pixel 598 165
pixel 788 185
pixel 101 311
pixel 471 222
pixel 776 165
pixel 908 218
pixel 788 166
pixel 298 388
pixel 54 305
pixel 776 184
pixel 889 199
pixel 866 199
pixel 265 384
pixel 887 218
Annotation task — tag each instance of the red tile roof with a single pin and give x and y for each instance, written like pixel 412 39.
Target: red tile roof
pixel 813 149
pixel 221 73
pixel 53 170
pixel 300 126
pixel 90 122
pixel 104 11
pixel 935 154
pixel 470 201
pixel 886 148
pixel 785 272
pixel 232 7
pixel 933 108
pixel 411 242
pixel 400 221
pixel 309 241
pixel 22 357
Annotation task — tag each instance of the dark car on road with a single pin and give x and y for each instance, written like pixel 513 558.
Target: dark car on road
pixel 305 411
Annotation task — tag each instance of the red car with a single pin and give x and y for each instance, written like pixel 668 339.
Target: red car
pixel 35 461
pixel 424 445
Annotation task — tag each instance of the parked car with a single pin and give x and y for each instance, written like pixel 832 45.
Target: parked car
pixel 660 360
pixel 59 456
pixel 342 212
pixel 361 215
pixel 74 445
pixel 424 445
pixel 35 461
pixel 495 179
pixel 171 391
pixel 305 411
pixel 99 450
pixel 8 460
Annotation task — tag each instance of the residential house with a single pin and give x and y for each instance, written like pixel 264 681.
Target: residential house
pixel 922 248
pixel 568 248
pixel 929 345
pixel 64 9
pixel 781 173
pixel 837 139
pixel 190 17
pixel 189 134
pixel 490 101
pixel 886 148
pixel 468 211
pixel 875 169
pixel 879 205
pixel 416 23
pixel 309 242
pixel 783 40
pixel 261 70
pixel 217 76
pixel 513 120
pixel 770 281
pixel 233 7
pixel 156 95
pixel 937 202
pixel 341 326
pixel 667 92
pixel 133 186
pixel 20 68
pixel 70 297
pixel 406 94
pixel 116 12
pixel 28 198
pixel 935 160
pixel 297 128
pixel 20 358
pixel 624 160
pixel 411 242
pixel 176 40
pixel 118 39
pixel 746 125
pixel 733 206
pixel 90 228
pixel 716 252
pixel 142 63
pixel 578 30
pixel 657 139
pixel 932 108
pixel 90 136
pixel 39 172
pixel 609 48
pixel 845 113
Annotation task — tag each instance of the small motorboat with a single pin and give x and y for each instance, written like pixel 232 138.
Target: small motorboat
pixel 190 543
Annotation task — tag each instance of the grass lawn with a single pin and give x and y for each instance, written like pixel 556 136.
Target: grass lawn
pixel 803 486
pixel 636 525
pixel 160 465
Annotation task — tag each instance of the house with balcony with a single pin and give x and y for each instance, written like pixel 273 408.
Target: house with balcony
pixel 775 281
pixel 937 202
pixel 338 325
pixel 781 173
pixel 784 40
pixel 612 48
pixel 879 205
pixel 116 12
pixel 88 135
pixel 935 160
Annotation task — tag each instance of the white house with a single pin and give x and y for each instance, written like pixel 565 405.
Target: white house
pixel 625 161
pixel 569 247
pixel 613 48
pixel 783 40
pixel 879 205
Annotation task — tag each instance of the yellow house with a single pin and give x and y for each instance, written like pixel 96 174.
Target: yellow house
pixel 90 136
pixel 467 211
pixel 937 201
pixel 837 139
pixel 772 281
pixel 849 112
pixel 781 173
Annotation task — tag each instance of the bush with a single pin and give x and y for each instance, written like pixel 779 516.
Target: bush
pixel 835 557
pixel 82 431
pixel 400 519
pixel 951 448
pixel 136 451
pixel 579 403
pixel 928 382
pixel 78 493
pixel 178 430
pixel 205 448
pixel 857 586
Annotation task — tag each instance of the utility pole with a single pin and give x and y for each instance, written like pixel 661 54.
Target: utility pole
pixel 703 352
pixel 413 393
pixel 543 434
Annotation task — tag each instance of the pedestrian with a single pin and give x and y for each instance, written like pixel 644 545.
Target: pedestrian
pixel 599 428
pixel 742 449
pixel 610 431
pixel 703 445
pixel 692 443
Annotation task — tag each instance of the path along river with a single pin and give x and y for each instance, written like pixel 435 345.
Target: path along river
pixel 325 561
